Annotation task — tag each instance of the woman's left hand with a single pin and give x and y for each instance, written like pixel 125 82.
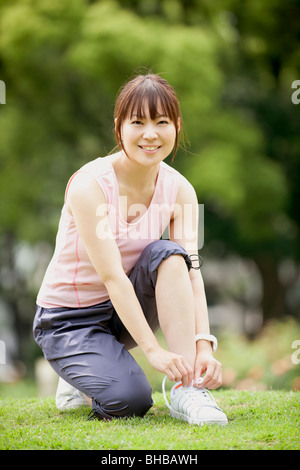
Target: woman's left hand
pixel 206 364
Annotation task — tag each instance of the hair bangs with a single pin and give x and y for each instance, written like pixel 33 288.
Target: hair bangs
pixel 149 95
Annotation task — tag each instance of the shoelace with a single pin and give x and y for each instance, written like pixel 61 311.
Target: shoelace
pixel 201 393
pixel 92 415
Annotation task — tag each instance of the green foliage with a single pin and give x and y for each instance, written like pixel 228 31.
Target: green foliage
pixel 264 364
pixel 64 62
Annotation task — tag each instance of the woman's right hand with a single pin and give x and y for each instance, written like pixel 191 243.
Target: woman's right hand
pixel 174 366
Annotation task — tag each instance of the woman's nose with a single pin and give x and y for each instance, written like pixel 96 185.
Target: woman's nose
pixel 150 133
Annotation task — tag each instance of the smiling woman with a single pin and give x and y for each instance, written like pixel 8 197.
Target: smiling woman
pixel 112 279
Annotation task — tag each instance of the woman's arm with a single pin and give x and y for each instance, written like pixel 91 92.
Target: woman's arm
pixel 184 231
pixel 86 202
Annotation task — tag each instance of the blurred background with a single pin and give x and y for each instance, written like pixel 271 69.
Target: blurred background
pixel 235 65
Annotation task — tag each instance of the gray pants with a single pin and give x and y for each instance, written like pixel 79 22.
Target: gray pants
pixel 88 347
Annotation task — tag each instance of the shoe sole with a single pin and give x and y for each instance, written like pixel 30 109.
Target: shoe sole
pixel 71 403
pixel 71 406
pixel 188 419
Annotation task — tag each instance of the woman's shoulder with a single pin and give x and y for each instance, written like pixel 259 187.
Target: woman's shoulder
pixel 92 172
pixel 87 179
pixel 186 192
pixel 98 166
pixel 183 181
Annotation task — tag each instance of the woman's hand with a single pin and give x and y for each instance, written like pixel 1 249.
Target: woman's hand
pixel 206 364
pixel 174 366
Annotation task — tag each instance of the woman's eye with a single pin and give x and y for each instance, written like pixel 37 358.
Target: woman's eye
pixel 137 122
pixel 163 122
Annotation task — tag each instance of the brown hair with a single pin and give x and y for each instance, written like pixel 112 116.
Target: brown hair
pixel 152 89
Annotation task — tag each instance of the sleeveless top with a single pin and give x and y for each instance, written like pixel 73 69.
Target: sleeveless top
pixel 71 279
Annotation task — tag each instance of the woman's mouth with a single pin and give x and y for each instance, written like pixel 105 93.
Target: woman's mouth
pixel 150 148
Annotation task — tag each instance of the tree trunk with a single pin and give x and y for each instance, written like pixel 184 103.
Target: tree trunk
pixel 274 292
pixel 14 293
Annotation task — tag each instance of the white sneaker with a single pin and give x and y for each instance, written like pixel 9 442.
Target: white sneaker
pixel 68 397
pixel 194 405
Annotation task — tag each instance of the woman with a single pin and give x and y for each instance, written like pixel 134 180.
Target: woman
pixel 112 279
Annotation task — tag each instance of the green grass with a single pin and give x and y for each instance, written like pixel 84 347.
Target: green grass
pixel 257 420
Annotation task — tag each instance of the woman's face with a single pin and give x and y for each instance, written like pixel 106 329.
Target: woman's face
pixel 148 141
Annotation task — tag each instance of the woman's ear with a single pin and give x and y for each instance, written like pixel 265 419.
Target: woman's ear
pixel 115 123
pixel 178 124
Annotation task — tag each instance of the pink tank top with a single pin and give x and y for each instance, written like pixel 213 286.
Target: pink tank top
pixel 70 279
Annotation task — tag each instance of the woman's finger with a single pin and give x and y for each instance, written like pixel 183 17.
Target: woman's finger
pixel 213 376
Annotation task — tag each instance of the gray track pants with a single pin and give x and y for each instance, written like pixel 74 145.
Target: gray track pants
pixel 88 347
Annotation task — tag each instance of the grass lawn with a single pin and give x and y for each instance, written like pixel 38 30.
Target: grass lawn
pixel 258 420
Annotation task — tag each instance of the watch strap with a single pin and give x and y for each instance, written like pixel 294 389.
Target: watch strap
pixel 210 338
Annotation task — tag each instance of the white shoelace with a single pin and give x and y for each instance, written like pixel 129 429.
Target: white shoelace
pixel 200 395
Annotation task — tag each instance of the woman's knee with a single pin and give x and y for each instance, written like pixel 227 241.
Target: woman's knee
pixel 167 253
pixel 129 396
pixel 174 263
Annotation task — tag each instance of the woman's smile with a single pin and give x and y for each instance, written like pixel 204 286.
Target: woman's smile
pixel 150 148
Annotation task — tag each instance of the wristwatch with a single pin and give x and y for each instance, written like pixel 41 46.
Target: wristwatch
pixel 210 338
